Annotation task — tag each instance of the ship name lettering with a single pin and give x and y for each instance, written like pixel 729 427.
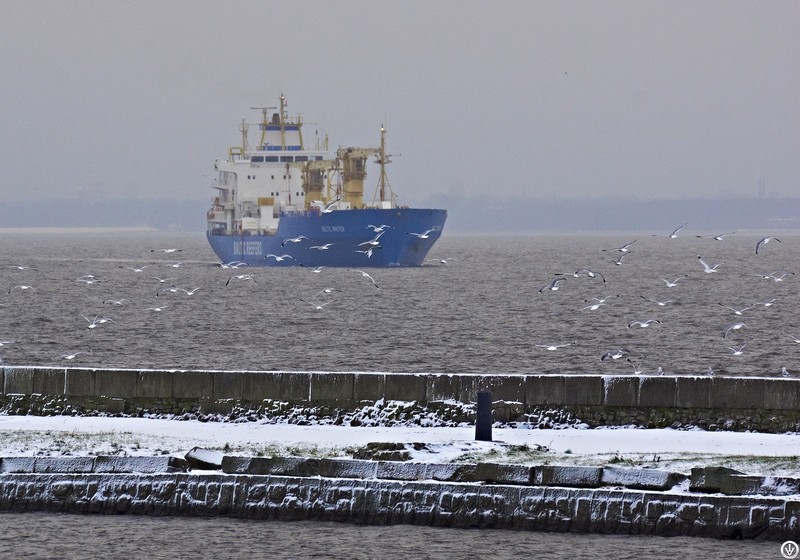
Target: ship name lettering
pixel 247 248
pixel 332 229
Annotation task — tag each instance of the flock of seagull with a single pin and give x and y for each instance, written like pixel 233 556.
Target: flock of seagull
pixel 168 286
pixel 726 332
pixel 733 335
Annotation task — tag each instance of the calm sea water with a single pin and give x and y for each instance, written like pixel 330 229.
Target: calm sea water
pixel 56 536
pixel 480 312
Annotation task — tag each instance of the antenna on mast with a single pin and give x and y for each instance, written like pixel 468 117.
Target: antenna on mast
pixel 263 124
pixel 244 127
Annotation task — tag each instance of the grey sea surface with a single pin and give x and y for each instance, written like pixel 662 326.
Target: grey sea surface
pixel 483 311
pixel 89 537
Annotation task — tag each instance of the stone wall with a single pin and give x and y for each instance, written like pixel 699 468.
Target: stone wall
pixel 733 403
pixel 548 498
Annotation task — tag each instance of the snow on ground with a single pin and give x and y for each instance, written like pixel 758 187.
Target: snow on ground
pixel 767 454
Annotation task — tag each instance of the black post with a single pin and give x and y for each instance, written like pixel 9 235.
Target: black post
pixel 483 423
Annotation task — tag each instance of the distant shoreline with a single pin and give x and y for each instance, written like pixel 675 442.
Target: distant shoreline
pixel 39 230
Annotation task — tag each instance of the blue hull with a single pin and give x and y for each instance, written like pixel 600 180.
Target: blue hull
pixel 344 230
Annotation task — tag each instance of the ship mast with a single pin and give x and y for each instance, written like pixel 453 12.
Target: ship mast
pixel 382 159
pixel 243 128
pixel 263 125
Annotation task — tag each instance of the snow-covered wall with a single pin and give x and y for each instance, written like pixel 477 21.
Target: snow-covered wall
pixel 733 403
pixel 377 501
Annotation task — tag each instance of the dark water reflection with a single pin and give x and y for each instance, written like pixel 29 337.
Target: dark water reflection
pixel 57 536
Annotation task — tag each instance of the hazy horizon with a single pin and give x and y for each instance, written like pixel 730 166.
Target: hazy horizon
pixel 115 100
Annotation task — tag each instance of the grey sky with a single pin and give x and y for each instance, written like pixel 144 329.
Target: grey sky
pixel 654 99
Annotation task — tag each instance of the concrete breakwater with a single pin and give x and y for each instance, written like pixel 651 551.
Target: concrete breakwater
pixel 716 503
pixel 726 403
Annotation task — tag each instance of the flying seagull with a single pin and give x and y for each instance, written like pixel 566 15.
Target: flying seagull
pixel 657 302
pixel 317 306
pixel 733 327
pixel 719 237
pixel 424 235
pixel 636 369
pixel 553 286
pixel 737 310
pixel 555 346
pixel 765 241
pixel 673 283
pixel 241 277
pixel 21 287
pixel 614 354
pixel 674 233
pixel 297 239
pixel 378 229
pixel 589 273
pixel 643 324
pixel 707 269
pixel 365 275
pixel 618 262
pixel 278 258
pixel 737 351
pixel 624 248
pixel 325 208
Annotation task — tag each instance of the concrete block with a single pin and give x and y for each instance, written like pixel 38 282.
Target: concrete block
pixel 63 465
pixel 18 381
pixel 738 485
pixel 640 479
pixel 782 394
pixel 234 464
pixel 503 474
pixel 742 485
pixel 193 385
pixel 80 382
pixel 276 385
pixel 295 386
pixel 583 390
pixel 620 390
pixel 400 470
pixel 657 391
pixel 228 385
pixel 449 472
pixel 405 387
pixel 368 386
pixel 293 466
pixel 738 392
pixel 710 479
pixel 442 387
pixel 694 392
pixel 204 459
pixel 507 388
pixel 576 477
pixel 48 381
pixel 470 385
pixel 346 468
pixel 116 383
pixel 116 464
pixel 17 464
pixel 332 387
pixel 545 390
pixel 155 384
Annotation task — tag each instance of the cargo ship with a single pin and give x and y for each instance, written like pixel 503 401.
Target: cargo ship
pixel 285 204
